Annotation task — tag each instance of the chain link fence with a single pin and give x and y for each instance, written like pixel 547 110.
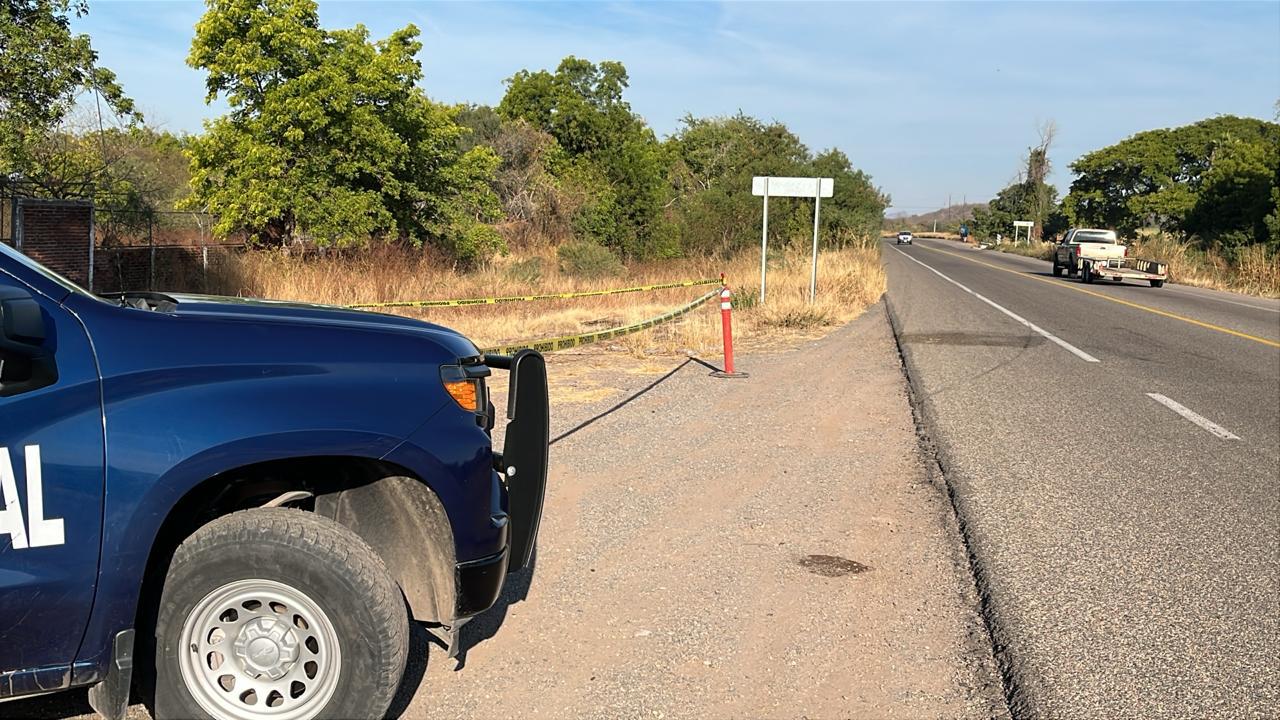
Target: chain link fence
pixel 157 250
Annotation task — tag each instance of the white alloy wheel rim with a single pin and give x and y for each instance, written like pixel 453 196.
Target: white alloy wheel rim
pixel 260 650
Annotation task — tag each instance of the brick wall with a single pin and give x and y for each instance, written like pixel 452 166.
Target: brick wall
pixel 56 233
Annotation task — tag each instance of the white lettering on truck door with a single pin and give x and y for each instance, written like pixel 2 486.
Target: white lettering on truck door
pixel 38 531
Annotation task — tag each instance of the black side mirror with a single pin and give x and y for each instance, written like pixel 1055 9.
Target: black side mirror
pixel 20 318
pixel 26 362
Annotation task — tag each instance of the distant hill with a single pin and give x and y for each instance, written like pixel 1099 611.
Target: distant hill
pixel 947 218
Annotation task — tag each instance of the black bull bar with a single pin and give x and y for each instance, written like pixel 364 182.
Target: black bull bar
pixel 526 452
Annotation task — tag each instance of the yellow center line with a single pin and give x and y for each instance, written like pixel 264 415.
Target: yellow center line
pixel 1156 311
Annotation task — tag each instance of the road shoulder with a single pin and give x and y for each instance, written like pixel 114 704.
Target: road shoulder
pixel 674 577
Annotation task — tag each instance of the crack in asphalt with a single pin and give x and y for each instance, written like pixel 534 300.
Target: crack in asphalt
pixel 1010 685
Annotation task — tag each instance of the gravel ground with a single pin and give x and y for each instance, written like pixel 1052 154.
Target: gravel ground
pixel 763 547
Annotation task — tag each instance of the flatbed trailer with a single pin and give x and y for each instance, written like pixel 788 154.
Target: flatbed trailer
pixel 1120 269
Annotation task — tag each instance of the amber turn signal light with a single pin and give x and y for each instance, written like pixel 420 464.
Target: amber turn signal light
pixel 464 393
pixel 464 387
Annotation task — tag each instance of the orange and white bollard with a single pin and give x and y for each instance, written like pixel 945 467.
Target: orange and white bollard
pixel 726 323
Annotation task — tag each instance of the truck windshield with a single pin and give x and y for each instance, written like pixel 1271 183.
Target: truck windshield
pixel 30 264
pixel 1092 237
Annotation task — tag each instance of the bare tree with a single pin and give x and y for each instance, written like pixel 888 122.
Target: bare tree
pixel 1037 175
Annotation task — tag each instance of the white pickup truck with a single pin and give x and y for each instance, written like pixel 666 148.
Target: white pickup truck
pixel 1098 255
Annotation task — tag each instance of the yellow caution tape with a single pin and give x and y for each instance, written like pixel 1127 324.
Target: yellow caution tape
pixel 562 343
pixel 528 298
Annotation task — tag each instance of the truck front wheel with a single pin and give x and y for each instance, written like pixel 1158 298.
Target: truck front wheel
pixel 278 613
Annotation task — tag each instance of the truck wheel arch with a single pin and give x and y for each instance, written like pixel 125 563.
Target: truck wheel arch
pixel 405 523
pixel 395 512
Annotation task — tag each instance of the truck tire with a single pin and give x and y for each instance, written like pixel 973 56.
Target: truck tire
pixel 1086 272
pixel 1157 283
pixel 278 613
pixel 1057 269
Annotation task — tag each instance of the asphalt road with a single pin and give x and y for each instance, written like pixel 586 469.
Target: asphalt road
pixel 1113 453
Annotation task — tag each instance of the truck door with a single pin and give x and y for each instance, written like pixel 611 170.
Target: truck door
pixel 51 475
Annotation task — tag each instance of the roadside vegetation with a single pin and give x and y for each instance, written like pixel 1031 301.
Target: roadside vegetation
pixel 850 279
pixel 350 184
pixel 1204 198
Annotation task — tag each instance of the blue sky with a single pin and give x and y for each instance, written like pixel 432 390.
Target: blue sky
pixel 930 98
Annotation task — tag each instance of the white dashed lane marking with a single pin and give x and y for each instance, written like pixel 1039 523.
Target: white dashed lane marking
pixel 1194 417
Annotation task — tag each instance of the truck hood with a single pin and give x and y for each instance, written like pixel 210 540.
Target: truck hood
pixel 252 309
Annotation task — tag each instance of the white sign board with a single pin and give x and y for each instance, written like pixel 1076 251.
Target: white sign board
pixel 801 187
pixel 1017 228
pixel 791 186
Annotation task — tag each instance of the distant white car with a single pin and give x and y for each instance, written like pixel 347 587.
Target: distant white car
pixel 904 237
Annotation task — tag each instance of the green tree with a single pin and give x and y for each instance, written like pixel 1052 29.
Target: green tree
pixel 1235 195
pixel 1156 179
pixel 712 163
pixel 856 207
pixel 1273 218
pixel 329 138
pixel 537 204
pixel 614 158
pixel 483 123
pixel 1016 202
pixel 580 104
pixel 133 168
pixel 43 68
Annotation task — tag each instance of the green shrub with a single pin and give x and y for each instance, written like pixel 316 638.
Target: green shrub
pixel 588 260
pixel 745 297
pixel 473 242
pixel 526 272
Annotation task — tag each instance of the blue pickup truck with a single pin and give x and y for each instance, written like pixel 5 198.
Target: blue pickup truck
pixel 234 507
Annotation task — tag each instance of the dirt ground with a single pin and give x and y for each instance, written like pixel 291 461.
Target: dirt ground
pixel 763 547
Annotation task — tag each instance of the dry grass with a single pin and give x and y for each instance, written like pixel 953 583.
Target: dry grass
pixel 1039 250
pixel 849 280
pixel 1253 270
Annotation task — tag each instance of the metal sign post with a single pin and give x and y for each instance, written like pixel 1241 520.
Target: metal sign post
pixel 816 188
pixel 817 208
pixel 764 239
